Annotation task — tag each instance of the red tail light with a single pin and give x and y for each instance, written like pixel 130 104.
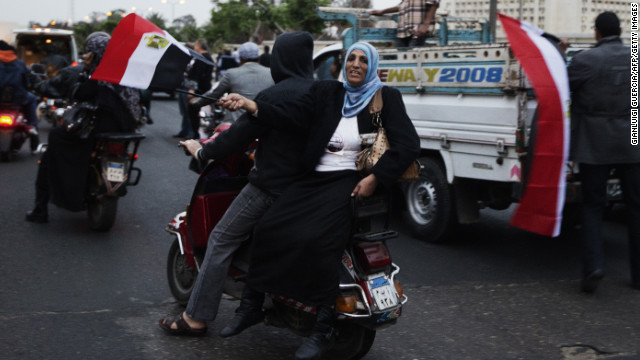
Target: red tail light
pixel 133 157
pixel 75 63
pixel 116 149
pixel 372 256
pixel 6 120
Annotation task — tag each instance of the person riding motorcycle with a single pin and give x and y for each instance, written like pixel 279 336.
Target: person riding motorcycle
pixel 64 165
pixel 14 81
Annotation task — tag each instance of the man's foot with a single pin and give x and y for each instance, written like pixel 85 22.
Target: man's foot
pixel 590 282
pixel 242 321
pixel 37 215
pixel 316 345
pixel 182 325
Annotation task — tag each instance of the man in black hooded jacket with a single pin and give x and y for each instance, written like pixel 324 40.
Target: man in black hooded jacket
pixel 278 163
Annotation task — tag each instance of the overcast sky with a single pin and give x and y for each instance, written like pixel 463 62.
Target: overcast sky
pixel 43 11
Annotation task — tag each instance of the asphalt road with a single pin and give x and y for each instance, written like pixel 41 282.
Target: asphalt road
pixel 493 293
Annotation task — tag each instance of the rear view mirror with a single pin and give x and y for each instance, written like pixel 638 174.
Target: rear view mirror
pixel 38 69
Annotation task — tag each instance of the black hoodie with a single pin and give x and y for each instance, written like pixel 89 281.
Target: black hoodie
pixel 279 156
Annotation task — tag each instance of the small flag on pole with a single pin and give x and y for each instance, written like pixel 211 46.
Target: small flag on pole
pixel 540 208
pixel 141 55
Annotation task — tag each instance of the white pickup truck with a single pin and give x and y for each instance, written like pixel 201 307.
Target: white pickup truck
pixel 472 107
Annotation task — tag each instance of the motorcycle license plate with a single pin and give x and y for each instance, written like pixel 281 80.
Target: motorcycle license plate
pixel 383 292
pixel 115 172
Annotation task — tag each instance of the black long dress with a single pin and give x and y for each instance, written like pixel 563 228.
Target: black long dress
pixel 62 174
pixel 298 243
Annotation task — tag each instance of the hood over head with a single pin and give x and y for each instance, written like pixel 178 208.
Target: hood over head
pixel 292 56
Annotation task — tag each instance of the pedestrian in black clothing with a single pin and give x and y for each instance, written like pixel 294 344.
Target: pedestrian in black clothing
pixel 601 140
pixel 265 58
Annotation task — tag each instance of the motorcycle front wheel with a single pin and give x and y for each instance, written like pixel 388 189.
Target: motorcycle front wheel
pixel 102 212
pixel 181 276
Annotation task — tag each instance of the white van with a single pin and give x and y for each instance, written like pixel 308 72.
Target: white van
pixel 38 45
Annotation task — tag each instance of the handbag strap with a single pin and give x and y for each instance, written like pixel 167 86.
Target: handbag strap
pixel 375 109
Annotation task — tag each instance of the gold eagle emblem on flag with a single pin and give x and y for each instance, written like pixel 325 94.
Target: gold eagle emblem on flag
pixel 156 41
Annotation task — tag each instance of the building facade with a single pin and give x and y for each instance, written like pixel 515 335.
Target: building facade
pixel 564 18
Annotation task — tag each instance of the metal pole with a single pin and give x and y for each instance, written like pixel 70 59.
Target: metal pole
pixel 493 8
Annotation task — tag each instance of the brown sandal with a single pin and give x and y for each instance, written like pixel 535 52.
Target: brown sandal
pixel 182 327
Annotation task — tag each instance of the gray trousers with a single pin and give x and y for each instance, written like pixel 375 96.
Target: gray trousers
pixel 231 231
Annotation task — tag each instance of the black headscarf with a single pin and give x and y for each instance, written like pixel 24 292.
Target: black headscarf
pixel 96 43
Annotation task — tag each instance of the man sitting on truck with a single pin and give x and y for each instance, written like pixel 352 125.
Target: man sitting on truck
pixel 414 20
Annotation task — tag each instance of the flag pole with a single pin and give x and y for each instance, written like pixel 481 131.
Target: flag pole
pixel 197 95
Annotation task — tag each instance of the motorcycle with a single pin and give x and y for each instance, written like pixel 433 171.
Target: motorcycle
pixel 110 172
pixel 371 297
pixel 14 131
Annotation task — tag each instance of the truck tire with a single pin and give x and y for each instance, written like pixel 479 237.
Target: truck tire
pixel 430 209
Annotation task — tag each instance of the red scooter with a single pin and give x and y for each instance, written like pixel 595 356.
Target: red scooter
pixel 14 131
pixel 370 298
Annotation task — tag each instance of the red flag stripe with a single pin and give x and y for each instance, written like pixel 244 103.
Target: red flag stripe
pixel 127 36
pixel 540 209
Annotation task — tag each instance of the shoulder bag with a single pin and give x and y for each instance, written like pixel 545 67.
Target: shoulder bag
pixel 368 157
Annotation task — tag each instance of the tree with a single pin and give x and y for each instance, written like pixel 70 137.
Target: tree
pixel 157 20
pixel 301 15
pixel 232 21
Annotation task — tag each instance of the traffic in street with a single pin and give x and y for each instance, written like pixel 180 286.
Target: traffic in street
pixel 491 292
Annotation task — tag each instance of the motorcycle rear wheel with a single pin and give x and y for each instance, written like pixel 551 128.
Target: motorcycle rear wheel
pixel 102 213
pixel 181 276
pixel 353 342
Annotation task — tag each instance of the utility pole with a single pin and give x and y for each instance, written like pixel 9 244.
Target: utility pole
pixel 493 9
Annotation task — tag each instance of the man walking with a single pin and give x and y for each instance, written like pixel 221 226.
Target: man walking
pixel 601 140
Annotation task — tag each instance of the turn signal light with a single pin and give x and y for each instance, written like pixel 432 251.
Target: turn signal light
pixel 346 303
pixel 399 289
pixel 133 157
pixel 6 120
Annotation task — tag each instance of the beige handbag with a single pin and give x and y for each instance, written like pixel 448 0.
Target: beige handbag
pixel 368 157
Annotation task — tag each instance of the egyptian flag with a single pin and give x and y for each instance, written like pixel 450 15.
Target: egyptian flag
pixel 540 209
pixel 141 55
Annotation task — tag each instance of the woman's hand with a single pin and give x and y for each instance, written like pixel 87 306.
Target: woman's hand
pixel 365 187
pixel 234 102
pixel 193 146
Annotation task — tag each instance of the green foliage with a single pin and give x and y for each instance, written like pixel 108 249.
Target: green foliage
pixel 157 20
pixel 301 15
pixel 233 21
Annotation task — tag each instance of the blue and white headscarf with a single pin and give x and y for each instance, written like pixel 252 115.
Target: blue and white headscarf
pixel 357 98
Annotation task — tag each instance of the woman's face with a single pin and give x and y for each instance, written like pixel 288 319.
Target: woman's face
pixel 356 67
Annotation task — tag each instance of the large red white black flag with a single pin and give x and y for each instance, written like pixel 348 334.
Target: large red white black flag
pixel 540 208
pixel 142 55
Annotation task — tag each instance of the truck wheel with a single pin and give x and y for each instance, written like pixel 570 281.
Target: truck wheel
pixel 102 213
pixel 181 276
pixel 429 203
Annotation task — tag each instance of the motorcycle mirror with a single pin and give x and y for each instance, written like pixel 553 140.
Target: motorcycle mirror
pixel 38 69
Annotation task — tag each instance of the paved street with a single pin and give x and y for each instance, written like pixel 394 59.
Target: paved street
pixel 493 293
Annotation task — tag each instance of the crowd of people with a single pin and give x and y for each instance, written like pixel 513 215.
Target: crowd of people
pixel 309 137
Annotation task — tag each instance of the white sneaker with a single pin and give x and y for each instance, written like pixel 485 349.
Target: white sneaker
pixel 31 130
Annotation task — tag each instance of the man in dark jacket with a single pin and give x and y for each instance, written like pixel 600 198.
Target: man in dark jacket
pixel 14 82
pixel 278 163
pixel 601 139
